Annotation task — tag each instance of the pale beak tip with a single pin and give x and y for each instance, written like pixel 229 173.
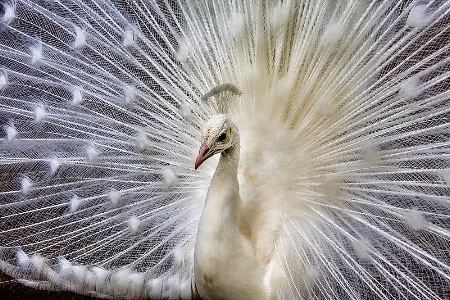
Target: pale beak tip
pixel 202 155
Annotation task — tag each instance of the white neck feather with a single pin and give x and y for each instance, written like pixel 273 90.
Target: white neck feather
pixel 223 255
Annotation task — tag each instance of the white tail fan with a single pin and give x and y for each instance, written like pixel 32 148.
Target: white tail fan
pixel 343 109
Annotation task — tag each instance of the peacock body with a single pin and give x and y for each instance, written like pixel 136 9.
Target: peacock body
pixel 337 188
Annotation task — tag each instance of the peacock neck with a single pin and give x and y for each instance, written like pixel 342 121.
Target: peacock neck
pixel 222 253
pixel 223 195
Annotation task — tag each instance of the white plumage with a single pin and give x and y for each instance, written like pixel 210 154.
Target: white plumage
pixel 339 185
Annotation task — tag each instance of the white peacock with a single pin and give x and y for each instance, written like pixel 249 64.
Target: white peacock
pixel 332 120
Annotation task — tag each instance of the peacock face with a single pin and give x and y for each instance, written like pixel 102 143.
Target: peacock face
pixel 219 134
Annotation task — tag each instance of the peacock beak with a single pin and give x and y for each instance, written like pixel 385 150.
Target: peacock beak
pixel 203 154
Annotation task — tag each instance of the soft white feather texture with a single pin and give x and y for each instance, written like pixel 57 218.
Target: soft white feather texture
pixel 344 121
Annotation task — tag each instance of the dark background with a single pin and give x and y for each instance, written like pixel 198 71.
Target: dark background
pixel 9 289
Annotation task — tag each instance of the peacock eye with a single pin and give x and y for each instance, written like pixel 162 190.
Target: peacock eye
pixel 222 137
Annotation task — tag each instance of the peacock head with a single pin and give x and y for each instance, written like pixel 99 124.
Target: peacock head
pixel 219 134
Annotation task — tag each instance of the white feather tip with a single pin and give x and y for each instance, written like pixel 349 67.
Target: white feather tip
pixel 25 185
pixel 80 37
